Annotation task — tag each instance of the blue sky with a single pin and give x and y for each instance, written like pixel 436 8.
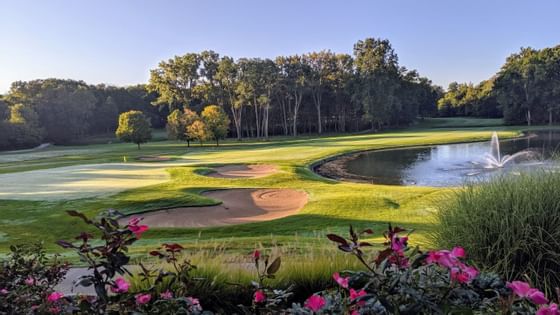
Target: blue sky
pixel 118 41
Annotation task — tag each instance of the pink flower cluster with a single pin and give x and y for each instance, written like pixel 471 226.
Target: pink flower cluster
pixel 259 297
pixel 135 228
pixel 524 291
pixel 451 260
pixel 315 303
pixel 398 246
pixel 121 286
pixel 551 309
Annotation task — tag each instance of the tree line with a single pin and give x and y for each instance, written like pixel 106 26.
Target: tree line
pixel 314 92
pixel 525 90
pixel 64 111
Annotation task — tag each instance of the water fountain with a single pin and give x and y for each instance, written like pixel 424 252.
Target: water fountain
pixel 494 159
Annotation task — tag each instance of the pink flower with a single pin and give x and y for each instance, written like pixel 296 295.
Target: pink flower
pixel 524 290
pixel 356 294
pixel 256 254
pixel 398 244
pixel 195 304
pixel 551 309
pixel 3 291
pixel 343 282
pixel 463 273
pixel 315 303
pixel 54 310
pixel 458 252
pixel 142 298
pixel 167 295
pixel 121 286
pixel 399 260
pixel 30 281
pixel 259 296
pixel 138 229
pixel 55 296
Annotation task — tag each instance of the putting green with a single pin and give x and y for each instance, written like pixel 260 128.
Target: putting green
pixel 81 181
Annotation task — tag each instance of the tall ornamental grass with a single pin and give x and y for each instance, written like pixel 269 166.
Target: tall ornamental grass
pixel 510 225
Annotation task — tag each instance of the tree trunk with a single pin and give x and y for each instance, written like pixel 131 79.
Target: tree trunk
pixel 237 114
pixel 138 145
pixel 317 100
pixel 550 117
pixel 319 127
pixel 528 117
pixel 257 120
pixel 217 142
pixel 297 103
pixel 188 143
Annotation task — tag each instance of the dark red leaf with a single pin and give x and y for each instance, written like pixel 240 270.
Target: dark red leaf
pixel 383 255
pixel 336 238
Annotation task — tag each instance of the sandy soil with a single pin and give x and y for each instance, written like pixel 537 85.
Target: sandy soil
pixel 243 171
pixel 239 206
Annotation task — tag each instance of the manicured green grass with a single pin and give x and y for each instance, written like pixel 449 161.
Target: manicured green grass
pixel 332 205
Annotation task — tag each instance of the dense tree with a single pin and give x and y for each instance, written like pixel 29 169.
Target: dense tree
pixel 134 127
pixel 322 66
pixel 216 121
pixel 174 81
pixel 23 129
pixel 227 76
pixel 377 68
pixel 177 123
pixel 525 90
pixel 316 91
pixel 197 131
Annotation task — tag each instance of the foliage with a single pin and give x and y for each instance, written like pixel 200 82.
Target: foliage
pixel 400 280
pixel 134 127
pixel 27 277
pixel 178 122
pixel 216 121
pixel 508 225
pixel 470 100
pixel 198 131
pixel 525 90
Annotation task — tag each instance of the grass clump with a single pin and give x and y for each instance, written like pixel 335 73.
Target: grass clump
pixel 510 225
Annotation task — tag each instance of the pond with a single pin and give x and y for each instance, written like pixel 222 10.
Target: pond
pixel 452 164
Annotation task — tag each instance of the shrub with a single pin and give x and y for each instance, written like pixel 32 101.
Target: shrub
pixel 509 225
pixel 28 278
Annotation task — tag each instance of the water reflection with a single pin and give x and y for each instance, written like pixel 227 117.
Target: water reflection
pixel 453 164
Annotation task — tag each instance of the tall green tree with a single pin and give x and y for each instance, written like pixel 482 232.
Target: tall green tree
pixel 377 67
pixel 294 74
pixel 216 121
pixel 227 75
pixel 177 123
pixel 174 81
pixel 134 127
pixel 322 66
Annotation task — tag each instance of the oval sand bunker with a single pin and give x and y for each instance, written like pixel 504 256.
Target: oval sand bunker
pixel 238 206
pixel 243 171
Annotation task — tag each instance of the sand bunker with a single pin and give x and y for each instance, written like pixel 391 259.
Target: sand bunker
pixel 243 171
pixel 238 206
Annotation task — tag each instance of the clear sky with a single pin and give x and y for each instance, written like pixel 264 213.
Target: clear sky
pixel 119 41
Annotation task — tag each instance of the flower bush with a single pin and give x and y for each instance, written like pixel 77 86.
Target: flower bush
pixel 398 279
